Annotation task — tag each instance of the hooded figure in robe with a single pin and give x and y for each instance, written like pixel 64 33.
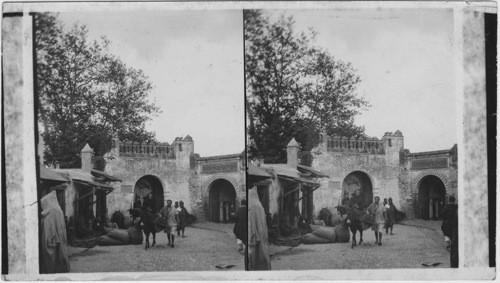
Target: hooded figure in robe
pixel 54 254
pixel 258 248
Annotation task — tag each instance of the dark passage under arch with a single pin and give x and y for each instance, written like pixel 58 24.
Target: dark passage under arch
pixel 358 180
pixel 431 197
pixel 150 184
pixel 222 200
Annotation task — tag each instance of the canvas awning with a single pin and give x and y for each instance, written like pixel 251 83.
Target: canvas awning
pixel 107 177
pixel 257 171
pixel 311 172
pixel 98 186
pixel 284 170
pixel 305 182
pixel 49 175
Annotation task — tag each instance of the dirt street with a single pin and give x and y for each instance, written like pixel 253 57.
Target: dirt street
pixel 409 247
pixel 205 246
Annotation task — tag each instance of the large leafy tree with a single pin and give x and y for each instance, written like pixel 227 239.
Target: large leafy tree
pixel 85 94
pixel 294 88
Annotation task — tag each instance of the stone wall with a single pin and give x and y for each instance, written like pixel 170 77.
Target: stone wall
pixel 382 169
pixel 174 175
pixel 181 179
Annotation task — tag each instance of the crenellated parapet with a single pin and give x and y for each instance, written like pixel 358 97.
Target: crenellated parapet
pixel 134 149
pixel 180 147
pixel 361 145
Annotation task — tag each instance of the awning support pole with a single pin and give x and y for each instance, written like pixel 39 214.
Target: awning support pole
pixel 292 191
pixel 311 191
pixel 87 194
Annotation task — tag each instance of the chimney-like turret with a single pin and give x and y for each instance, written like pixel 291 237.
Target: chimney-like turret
pixel 87 155
pixel 292 153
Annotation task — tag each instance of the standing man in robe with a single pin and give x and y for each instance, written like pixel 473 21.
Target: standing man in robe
pixel 172 216
pixel 379 213
pixel 54 254
pixel 258 246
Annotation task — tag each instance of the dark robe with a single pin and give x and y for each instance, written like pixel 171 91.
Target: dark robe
pixel 448 214
pixel 359 211
pixel 240 224
pixel 54 254
pixel 149 205
pixel 391 215
pixel 137 204
pixel 454 239
pixel 182 219
pixel 356 202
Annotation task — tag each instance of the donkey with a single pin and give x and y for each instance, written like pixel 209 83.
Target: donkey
pixel 147 225
pixel 356 221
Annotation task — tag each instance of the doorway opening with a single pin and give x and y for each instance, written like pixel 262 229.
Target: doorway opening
pixel 357 180
pixel 222 201
pixel 431 197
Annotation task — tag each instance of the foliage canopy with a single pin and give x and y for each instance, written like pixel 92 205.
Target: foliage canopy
pixel 85 94
pixel 294 89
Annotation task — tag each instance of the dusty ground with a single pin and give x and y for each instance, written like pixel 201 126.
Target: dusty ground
pixel 205 246
pixel 409 247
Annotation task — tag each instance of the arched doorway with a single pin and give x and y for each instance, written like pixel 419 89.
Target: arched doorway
pixel 150 184
pixel 222 200
pixel 431 196
pixel 358 180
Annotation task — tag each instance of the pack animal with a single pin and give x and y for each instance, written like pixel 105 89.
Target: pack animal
pixel 148 225
pixel 356 221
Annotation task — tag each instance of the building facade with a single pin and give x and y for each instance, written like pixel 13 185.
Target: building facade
pixel 210 187
pixel 419 183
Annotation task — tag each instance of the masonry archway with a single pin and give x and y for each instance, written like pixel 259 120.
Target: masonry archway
pixel 431 196
pixel 221 200
pixel 150 184
pixel 358 180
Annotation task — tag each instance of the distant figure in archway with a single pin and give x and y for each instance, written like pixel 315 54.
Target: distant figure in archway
pixel 356 201
pixel 137 203
pixel 148 204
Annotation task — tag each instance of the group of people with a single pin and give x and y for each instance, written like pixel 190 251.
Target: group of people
pixel 174 217
pixel 381 215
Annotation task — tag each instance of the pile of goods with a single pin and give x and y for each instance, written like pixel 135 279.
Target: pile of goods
pixel 322 235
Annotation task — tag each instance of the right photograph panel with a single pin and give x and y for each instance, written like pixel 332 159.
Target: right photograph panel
pixel 351 138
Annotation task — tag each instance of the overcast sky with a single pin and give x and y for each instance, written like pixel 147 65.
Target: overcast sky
pixel 194 60
pixel 405 60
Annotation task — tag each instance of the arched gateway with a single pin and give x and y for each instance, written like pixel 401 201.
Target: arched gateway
pixel 358 180
pixel 431 196
pixel 150 184
pixel 222 200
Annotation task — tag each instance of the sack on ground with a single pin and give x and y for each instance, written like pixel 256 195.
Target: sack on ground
pixel 326 233
pixel 107 241
pixel 314 226
pixel 319 222
pixel 335 219
pixel 342 234
pixel 309 238
pixel 119 234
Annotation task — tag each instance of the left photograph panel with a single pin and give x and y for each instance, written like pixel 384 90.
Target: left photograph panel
pixel 138 137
